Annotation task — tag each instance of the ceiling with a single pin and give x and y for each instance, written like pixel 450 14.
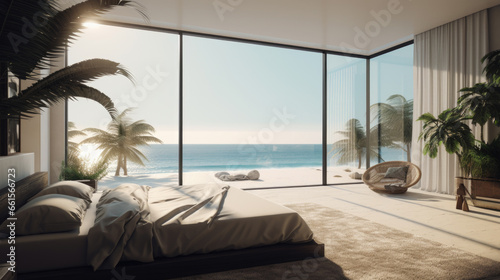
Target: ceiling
pixel 354 26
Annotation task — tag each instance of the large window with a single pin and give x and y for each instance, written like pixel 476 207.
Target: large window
pixel 148 104
pixel 244 106
pixel 391 105
pixel 249 106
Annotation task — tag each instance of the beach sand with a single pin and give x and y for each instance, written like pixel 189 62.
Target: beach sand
pixel 272 177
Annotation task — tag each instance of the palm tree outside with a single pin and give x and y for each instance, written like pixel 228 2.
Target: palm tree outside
pixel 73 147
pixel 395 123
pixel 121 139
pixel 354 145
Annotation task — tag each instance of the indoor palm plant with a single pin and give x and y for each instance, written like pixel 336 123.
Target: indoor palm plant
pixel 34 32
pixel 479 159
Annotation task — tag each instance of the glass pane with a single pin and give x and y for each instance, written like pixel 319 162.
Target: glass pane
pixel 346 113
pixel 153 60
pixel 391 104
pixel 251 107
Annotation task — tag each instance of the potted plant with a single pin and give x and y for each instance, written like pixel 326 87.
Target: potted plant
pixel 83 171
pixel 479 159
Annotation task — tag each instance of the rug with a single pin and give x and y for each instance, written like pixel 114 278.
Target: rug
pixel 356 248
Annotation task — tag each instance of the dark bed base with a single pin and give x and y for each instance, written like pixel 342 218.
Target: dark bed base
pixel 167 268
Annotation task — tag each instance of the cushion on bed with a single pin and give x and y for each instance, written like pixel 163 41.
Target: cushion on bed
pixel 397 172
pixel 71 188
pixel 48 213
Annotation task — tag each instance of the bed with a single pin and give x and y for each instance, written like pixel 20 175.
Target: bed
pixel 159 233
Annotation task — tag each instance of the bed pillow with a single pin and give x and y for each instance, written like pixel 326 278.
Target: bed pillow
pixel 397 173
pixel 48 213
pixel 71 188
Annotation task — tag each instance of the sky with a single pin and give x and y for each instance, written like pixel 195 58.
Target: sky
pixel 233 92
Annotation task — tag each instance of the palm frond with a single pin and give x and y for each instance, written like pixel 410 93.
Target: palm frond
pixel 147 139
pixel 62 84
pixel 73 131
pixel 393 122
pixel 81 72
pixel 396 99
pixel 14 15
pixel 135 156
pixel 27 105
pixel 49 38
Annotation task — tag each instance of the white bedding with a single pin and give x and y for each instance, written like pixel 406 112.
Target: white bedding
pixel 53 250
pixel 245 220
pixel 186 220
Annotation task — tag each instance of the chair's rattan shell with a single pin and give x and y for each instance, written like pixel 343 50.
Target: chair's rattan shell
pixel 371 176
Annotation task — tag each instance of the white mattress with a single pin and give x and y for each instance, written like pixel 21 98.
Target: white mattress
pixel 53 250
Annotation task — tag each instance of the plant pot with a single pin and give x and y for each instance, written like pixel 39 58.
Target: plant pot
pixel 481 192
pixel 90 182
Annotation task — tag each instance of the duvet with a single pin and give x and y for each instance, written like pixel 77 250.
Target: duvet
pixel 139 223
pixel 123 228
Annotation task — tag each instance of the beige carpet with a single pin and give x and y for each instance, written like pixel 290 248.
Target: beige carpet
pixel 360 249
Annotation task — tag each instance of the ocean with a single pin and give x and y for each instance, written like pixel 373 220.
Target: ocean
pixel 163 158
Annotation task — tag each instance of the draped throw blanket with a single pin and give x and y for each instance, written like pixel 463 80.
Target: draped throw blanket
pixel 446 59
pixel 123 228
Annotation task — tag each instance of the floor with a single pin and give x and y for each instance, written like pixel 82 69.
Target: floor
pixel 429 215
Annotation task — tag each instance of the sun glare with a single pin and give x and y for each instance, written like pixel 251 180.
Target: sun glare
pixel 89 153
pixel 90 24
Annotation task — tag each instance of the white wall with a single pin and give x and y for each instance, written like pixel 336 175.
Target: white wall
pixel 57 132
pixel 23 164
pixel 35 135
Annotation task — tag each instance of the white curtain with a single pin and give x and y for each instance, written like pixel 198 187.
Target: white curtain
pixel 446 59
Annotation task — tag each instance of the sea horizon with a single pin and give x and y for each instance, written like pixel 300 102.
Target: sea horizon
pixel 164 158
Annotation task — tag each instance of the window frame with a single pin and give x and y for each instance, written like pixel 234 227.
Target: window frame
pixel 324 53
